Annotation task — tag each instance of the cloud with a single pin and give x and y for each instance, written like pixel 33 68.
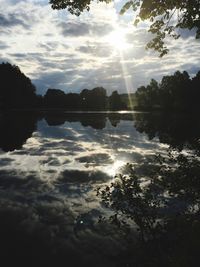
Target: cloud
pixel 73 176
pixel 54 79
pixel 96 159
pixel 11 20
pixel 185 33
pixel 51 45
pixel 3 45
pixel 5 161
pixel 101 29
pixel 96 49
pixel 74 28
pixel 79 28
pixel 58 50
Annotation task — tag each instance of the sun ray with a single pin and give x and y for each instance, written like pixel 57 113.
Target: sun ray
pixel 118 41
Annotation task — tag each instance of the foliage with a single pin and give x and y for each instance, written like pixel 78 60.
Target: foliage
pixel 115 102
pixel 163 202
pixel 175 92
pixel 165 17
pixel 75 6
pixel 16 89
pixel 54 98
pixel 95 99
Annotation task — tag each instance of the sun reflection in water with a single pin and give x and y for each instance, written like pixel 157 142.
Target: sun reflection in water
pixel 113 169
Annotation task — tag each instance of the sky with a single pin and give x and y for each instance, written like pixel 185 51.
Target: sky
pixel 99 48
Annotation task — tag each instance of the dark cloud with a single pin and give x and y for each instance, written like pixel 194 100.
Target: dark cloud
pixel 77 28
pixel 52 234
pixel 18 55
pixel 11 20
pixel 190 68
pixel 53 79
pixel 5 161
pixel 101 29
pixel 97 50
pixel 74 28
pixel 21 181
pixel 51 161
pixel 73 176
pixel 96 159
pixel 5 59
pixel 3 45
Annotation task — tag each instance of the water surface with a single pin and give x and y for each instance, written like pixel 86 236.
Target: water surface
pixel 50 168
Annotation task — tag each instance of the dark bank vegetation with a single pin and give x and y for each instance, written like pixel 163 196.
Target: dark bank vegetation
pixel 174 92
pixel 18 92
pixel 88 100
pixel 177 92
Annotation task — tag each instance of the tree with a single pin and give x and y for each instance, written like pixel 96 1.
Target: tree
pixel 148 97
pixel 54 98
pixel 16 90
pixel 115 102
pixel 195 90
pixel 175 91
pixel 165 17
pixel 94 99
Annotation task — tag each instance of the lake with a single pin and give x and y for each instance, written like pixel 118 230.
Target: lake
pixel 53 164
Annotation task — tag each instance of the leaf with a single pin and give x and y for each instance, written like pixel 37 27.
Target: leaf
pixel 126 7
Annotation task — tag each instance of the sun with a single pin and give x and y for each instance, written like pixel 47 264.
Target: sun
pixel 117 39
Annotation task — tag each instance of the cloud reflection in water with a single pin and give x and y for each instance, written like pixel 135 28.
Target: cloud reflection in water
pixel 48 178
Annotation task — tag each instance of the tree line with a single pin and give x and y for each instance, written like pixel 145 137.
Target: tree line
pixel 95 99
pixel 17 91
pixel 175 92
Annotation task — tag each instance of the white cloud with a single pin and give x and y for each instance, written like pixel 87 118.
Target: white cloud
pixel 56 49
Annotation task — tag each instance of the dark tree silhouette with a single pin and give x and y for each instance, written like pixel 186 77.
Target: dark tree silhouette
pixel 115 102
pixel 175 92
pixel 195 91
pixel 73 101
pixel 164 205
pixel 88 100
pixel 16 90
pixel 94 99
pixel 148 96
pixel 54 98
